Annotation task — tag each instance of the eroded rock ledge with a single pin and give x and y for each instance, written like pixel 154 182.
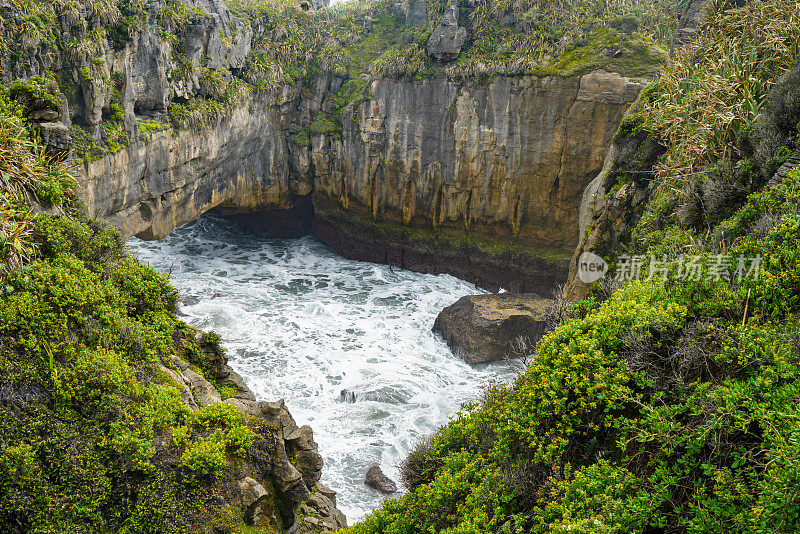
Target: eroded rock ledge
pixel 278 484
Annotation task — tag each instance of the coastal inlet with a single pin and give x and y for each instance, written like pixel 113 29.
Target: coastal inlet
pixel 347 344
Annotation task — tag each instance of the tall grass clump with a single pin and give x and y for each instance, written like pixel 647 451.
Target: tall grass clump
pixel 710 95
pixel 27 175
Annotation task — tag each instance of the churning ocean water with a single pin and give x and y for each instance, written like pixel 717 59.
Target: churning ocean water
pixel 303 324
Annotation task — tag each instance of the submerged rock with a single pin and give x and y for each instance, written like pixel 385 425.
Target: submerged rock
pixel 377 480
pixel 385 394
pixel 487 328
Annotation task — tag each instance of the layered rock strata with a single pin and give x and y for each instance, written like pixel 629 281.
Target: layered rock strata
pixel 488 169
pixel 479 179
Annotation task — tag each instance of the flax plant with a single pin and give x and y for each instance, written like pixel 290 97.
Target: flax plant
pixel 27 174
pixel 715 87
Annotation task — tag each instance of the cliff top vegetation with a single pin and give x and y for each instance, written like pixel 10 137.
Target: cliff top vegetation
pixel 503 37
pixel 74 43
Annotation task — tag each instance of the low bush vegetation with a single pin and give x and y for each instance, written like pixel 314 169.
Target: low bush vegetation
pixel 85 418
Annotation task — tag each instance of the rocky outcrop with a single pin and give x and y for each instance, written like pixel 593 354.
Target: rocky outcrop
pixel 320 514
pixel 377 480
pixel 610 209
pixel 415 12
pixel 615 199
pixel 253 496
pixel 487 328
pixel 693 15
pixel 448 37
pixel 280 484
pixel 387 394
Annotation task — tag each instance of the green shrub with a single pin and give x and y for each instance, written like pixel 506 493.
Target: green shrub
pixel 302 139
pixel 239 439
pixel 204 458
pixel 418 467
pixel 36 93
pixel 217 415
pixel 180 436
pixel 228 392
pixel 83 331
pixel 324 124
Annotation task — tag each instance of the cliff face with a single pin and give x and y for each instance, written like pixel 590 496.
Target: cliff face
pixel 608 212
pixel 149 188
pixel 504 160
pixel 479 177
pixel 508 157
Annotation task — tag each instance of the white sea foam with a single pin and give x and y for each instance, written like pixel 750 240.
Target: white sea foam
pixel 302 323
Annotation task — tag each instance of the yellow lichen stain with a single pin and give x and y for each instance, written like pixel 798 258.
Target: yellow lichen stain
pixel 343 199
pixel 409 203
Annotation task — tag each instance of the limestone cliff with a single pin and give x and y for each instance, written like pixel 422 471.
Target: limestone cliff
pixel 477 176
pixel 495 166
pixel 151 187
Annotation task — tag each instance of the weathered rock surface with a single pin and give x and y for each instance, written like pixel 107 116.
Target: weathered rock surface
pixel 416 12
pixel 491 197
pixel 693 15
pixel 55 136
pixel 320 515
pixel 253 495
pixel 607 214
pixel 387 394
pixel 204 392
pixel 478 177
pixel 486 328
pixel 448 37
pixel 377 480
pixel 148 189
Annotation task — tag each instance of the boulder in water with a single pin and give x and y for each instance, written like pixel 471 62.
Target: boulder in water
pixel 487 328
pixel 347 395
pixel 377 480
